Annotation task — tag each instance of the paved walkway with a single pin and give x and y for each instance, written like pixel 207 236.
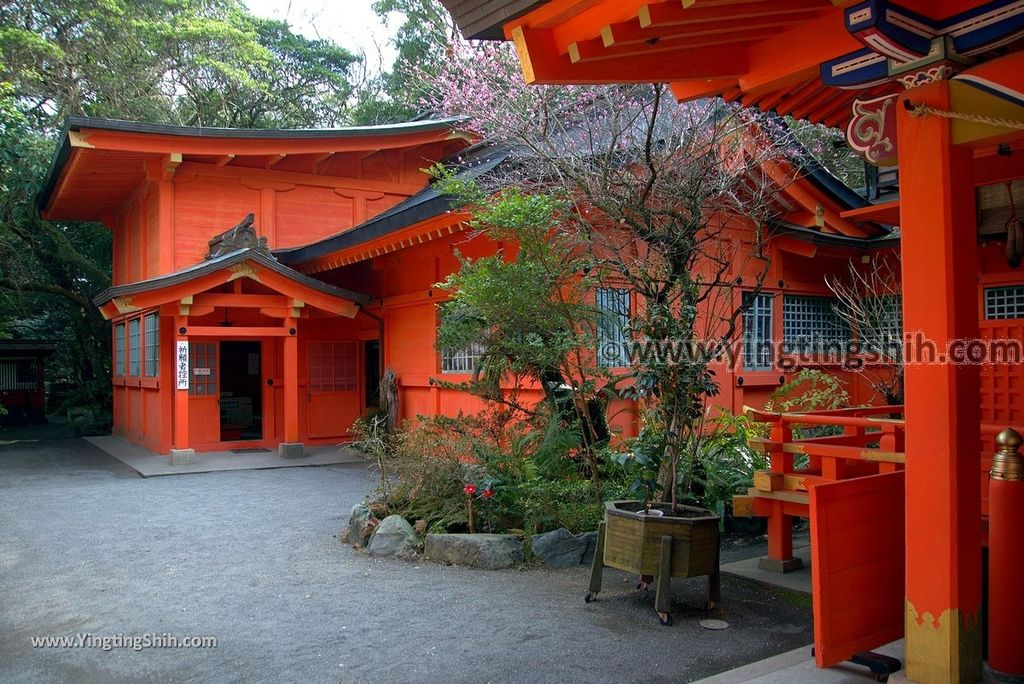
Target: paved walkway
pixel 797 580
pixel 252 558
pixel 797 667
pixel 149 464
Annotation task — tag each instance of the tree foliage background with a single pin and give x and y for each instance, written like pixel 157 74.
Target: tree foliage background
pixel 187 62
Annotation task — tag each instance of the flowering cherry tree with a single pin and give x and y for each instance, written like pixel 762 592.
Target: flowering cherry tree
pixel 671 202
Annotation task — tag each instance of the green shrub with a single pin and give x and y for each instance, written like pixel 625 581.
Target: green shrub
pixel 528 478
pixel 724 464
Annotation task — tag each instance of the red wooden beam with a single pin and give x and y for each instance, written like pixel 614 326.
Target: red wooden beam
pixel 797 54
pixel 235 331
pixel 662 14
pixel 541 63
pixel 631 33
pixel 239 300
pixel 595 50
pixel 692 90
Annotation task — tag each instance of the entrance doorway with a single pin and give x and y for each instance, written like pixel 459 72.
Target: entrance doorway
pixel 241 391
pixel 371 371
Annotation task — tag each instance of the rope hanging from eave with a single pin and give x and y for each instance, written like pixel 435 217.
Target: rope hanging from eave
pixel 926 110
pixel 1014 233
pixel 1015 224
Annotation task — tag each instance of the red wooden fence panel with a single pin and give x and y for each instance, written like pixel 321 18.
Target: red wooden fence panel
pixel 857 565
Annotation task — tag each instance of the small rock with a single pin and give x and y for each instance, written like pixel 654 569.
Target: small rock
pixel 394 537
pixel 360 526
pixel 560 548
pixel 488 551
pixel 420 526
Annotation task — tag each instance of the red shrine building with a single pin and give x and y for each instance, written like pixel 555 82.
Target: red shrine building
pixel 264 279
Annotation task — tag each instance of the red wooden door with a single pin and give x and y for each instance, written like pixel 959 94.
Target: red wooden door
pixel 857 565
pixel 203 394
pixel 333 388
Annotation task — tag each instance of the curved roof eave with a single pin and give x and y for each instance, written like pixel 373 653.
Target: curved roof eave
pixel 75 124
pixel 222 262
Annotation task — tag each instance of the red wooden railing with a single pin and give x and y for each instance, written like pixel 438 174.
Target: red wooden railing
pixel 871 442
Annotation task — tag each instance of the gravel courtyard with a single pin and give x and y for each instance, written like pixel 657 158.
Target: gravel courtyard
pixel 253 559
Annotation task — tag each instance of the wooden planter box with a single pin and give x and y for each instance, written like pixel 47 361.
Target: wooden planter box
pixel 681 545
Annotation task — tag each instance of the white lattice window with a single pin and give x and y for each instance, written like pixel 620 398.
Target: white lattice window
pixel 152 345
pixel 462 360
pixel 119 348
pixel 612 322
pixel 812 324
pixel 757 331
pixel 1004 302
pixel 19 374
pixel 134 347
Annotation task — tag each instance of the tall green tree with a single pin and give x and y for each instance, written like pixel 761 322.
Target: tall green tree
pixel 194 62
pixel 202 62
pixel 422 41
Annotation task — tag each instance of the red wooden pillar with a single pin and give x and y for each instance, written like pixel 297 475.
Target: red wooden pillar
pixel 939 251
pixel 290 447
pixel 181 453
pixel 780 526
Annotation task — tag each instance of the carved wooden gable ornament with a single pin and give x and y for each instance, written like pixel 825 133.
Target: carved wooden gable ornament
pixel 242 236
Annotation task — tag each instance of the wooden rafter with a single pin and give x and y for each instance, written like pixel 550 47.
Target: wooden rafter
pixel 542 63
pixel 595 49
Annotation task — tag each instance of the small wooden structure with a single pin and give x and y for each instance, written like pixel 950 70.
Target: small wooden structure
pixel 657 543
pixel 22 385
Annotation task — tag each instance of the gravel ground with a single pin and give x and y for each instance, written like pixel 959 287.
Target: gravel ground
pixel 253 559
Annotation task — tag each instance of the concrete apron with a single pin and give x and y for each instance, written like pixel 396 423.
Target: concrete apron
pixel 186 461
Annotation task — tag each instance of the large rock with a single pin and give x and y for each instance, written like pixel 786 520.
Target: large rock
pixel 490 551
pixel 560 548
pixel 394 537
pixel 361 524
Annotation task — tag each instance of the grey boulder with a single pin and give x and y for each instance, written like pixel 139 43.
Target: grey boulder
pixel 561 548
pixel 488 551
pixel 361 524
pixel 394 537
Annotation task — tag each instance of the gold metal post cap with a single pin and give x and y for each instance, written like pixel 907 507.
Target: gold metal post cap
pixel 1008 464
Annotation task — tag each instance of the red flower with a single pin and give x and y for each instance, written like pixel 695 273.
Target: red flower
pixel 488 493
pixel 470 489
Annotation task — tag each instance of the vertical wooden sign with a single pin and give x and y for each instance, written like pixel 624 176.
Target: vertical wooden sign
pixel 182 364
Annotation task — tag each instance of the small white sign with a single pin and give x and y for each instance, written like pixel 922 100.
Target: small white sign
pixel 200 371
pixel 182 361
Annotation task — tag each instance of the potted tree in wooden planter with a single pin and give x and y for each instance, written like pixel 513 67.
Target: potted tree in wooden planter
pixel 663 539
